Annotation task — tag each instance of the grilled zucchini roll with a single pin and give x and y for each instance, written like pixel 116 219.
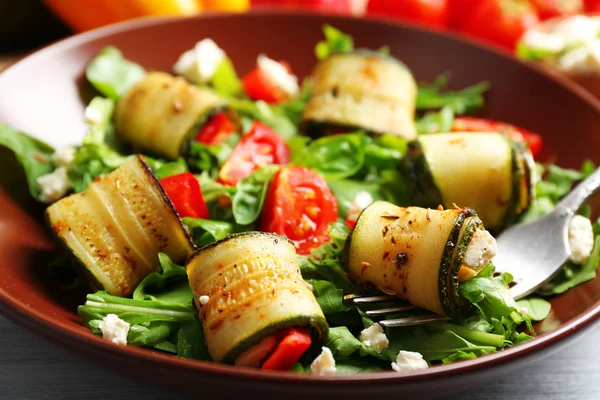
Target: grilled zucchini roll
pixel 421 255
pixel 117 227
pixel 161 113
pixel 248 287
pixel 361 90
pixel 483 171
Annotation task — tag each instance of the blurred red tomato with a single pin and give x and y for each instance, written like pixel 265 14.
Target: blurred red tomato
pixel 591 6
pixel 554 8
pixel 501 22
pixel 334 6
pixel 459 11
pixel 432 13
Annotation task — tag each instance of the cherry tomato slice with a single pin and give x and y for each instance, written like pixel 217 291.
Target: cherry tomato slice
pixel 591 6
pixel 501 22
pixel 470 124
pixel 184 192
pixel 294 342
pixel 258 86
pixel 216 129
pixel 301 206
pixel 432 13
pixel 259 147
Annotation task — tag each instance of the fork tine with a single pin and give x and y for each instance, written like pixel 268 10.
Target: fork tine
pixel 410 321
pixel 391 310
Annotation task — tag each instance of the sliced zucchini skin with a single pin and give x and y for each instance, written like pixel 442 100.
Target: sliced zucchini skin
pixel 483 171
pixel 361 90
pixel 160 114
pixel 255 289
pixel 117 227
pixel 412 252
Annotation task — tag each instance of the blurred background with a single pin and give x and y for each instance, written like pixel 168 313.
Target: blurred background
pixel 530 29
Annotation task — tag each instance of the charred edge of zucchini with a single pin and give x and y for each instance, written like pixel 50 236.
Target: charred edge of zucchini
pixel 462 307
pixel 345 256
pixel 422 189
pixel 203 119
pixel 445 286
pixel 167 202
pixel 231 236
pixel 519 170
pixel 317 129
pixel 318 326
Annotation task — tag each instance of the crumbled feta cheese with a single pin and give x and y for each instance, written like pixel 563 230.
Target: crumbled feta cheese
pixel 480 250
pixel 549 42
pixel 524 311
pixel 358 7
pixel 203 299
pixel 582 59
pixel 64 156
pixel 324 364
pixel 360 202
pixel 92 116
pixel 278 75
pixel 409 361
pixel 200 64
pixel 375 338
pixel 577 30
pixel 581 238
pixel 54 185
pixel 114 329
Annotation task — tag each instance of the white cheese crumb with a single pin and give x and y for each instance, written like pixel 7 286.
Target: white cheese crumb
pixel 114 329
pixel 524 311
pixel 480 250
pixel 409 361
pixel 361 201
pixel 324 364
pixel 375 338
pixel 543 41
pixel 92 116
pixel 54 186
pixel 278 75
pixel 577 30
pixel 203 299
pixel 200 64
pixel 581 238
pixel 63 157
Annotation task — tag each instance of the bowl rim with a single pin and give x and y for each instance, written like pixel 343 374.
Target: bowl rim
pixel 52 329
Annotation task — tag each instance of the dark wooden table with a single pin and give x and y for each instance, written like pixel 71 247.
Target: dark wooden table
pixel 31 368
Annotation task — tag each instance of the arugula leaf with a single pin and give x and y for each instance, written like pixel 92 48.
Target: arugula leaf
pixel 537 308
pixel 335 157
pixel 335 42
pixel 270 115
pixel 294 108
pixel 34 155
pixel 169 284
pixel 111 74
pixel 251 193
pixel 436 121
pixel 190 341
pixel 343 344
pixel 210 158
pixel 346 190
pixel 165 169
pixel 225 79
pixel 462 101
pixel 207 231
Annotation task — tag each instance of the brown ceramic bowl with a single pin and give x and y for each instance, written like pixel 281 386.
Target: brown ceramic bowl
pixel 44 95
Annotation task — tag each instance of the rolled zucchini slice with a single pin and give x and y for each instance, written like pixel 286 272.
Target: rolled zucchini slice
pixel 361 90
pixel 248 287
pixel 420 255
pixel 160 114
pixel 484 171
pixel 117 227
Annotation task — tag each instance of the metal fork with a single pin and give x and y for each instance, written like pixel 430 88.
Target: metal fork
pixel 533 253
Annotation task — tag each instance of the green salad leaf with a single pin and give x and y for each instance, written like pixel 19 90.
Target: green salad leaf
pixel 537 308
pixel 34 155
pixel 165 169
pixel 111 74
pixel 206 231
pixel 210 158
pixel 463 101
pixel 273 116
pixel 225 79
pixel 436 121
pixel 251 193
pixel 335 42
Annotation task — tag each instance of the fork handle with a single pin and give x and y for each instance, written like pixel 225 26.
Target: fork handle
pixel 583 191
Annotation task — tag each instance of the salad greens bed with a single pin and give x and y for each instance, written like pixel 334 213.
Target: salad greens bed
pixel 161 311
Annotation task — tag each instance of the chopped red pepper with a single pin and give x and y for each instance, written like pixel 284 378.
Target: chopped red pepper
pixel 520 135
pixel 294 343
pixel 216 129
pixel 184 192
pixel 258 86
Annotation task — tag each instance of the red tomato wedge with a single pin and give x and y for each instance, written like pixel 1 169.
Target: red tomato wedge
pixel 470 124
pixel 259 147
pixel 460 11
pixel 184 192
pixel 502 22
pixel 555 8
pixel 294 343
pixel 216 129
pixel 591 6
pixel 258 86
pixel 301 206
pixel 432 13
